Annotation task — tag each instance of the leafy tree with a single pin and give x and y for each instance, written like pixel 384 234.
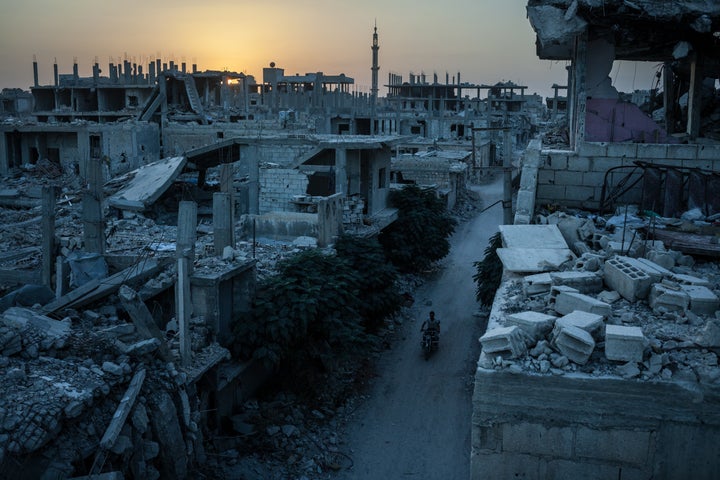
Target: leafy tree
pixel 378 293
pixel 420 235
pixel 489 272
pixel 311 301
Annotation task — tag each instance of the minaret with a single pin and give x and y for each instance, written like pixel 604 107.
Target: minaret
pixel 374 89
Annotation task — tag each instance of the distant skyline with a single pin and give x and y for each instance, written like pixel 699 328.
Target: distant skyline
pixel 487 41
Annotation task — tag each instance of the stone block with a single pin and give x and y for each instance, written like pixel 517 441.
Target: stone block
pixel 508 342
pixel 682 152
pixel 702 300
pixel 708 152
pixel 566 302
pixel 656 151
pixel 534 324
pixel 576 344
pixel 590 322
pixel 536 284
pixel 664 259
pixel 624 344
pixel 622 150
pixel 626 278
pixel 593 149
pixel 582 281
pixel 668 297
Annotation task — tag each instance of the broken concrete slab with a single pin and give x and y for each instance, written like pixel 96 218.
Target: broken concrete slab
pixel 566 302
pixel 522 260
pixel 583 282
pixel 702 300
pixel 537 284
pixel 530 236
pixel 54 333
pixel 669 297
pixel 149 183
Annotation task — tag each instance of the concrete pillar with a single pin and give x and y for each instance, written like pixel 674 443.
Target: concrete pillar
pixel 96 73
pixel 92 212
pixel 48 234
pixel 35 73
pixel 668 101
pixel 223 225
pixel 694 97
pixel 75 70
pixel 507 177
pixel 577 129
pixel 341 171
pixel 55 74
pixel 185 256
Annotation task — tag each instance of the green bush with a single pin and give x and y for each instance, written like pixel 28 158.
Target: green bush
pixel 420 235
pixel 319 304
pixel 489 272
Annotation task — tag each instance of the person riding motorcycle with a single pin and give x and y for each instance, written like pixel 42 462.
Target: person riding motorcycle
pixel 432 325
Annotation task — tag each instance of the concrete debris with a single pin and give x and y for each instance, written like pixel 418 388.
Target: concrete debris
pixel 642 320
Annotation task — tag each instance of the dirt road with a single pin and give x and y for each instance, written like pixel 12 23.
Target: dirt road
pixel 416 423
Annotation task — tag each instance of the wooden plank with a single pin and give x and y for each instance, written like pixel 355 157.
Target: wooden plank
pixel 20 253
pixel 97 289
pixel 143 319
pixel 8 276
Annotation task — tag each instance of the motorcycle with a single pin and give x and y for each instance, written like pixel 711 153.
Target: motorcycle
pixel 430 342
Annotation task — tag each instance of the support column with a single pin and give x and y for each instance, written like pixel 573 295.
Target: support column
pixel 48 234
pixel 185 255
pixel 223 231
pixel 93 221
pixel 341 182
pixel 695 97
pixel 507 177
pixel 577 130
pixel 668 103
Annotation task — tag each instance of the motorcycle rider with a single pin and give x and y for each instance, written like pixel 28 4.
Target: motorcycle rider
pixel 432 325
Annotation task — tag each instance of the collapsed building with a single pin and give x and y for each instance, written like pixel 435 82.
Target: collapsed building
pixel 601 355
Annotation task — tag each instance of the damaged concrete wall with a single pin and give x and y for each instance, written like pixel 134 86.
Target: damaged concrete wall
pixel 555 427
pixel 278 186
pixel 576 179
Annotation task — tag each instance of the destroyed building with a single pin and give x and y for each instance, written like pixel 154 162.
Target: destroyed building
pixel 600 357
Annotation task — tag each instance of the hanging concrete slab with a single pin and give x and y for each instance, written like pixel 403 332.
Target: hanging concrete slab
pixel 149 182
pixel 532 236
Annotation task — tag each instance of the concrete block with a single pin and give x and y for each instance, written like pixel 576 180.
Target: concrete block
pixel 616 446
pixel 508 342
pixel 536 284
pixel 603 164
pixel 708 152
pixel 593 149
pixel 579 193
pixel 579 164
pixel 590 470
pixel 576 344
pixel 664 259
pixel 626 278
pixel 536 439
pixel 624 344
pixel 583 282
pixel 622 150
pixel 702 300
pixel 567 302
pixel 655 151
pixel 669 297
pixel 507 465
pixel 682 152
pixel 657 272
pixel 546 176
pixel 534 324
pixel 683 279
pixel 590 322
pixel 568 177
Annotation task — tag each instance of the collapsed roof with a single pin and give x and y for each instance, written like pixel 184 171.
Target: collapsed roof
pixel 643 30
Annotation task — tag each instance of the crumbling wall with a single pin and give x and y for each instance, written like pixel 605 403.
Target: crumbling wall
pixel 277 188
pixel 575 179
pixel 564 427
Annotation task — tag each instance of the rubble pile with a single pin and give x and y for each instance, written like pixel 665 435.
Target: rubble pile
pixel 612 311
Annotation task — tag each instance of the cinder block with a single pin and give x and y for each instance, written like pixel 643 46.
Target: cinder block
pixel 580 193
pixel 567 302
pixel 576 344
pixel 582 281
pixel 702 300
pixel 622 150
pixel 668 297
pixel 590 322
pixel 508 342
pixel 682 152
pixel 535 324
pixel 657 272
pixel 625 344
pixel 708 152
pixel 656 151
pixel 626 278
pixel 593 149
pixel 683 279
pixel 664 259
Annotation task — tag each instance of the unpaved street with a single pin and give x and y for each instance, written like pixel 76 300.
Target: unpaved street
pixel 416 422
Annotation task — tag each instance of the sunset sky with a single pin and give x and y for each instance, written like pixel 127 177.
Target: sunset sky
pixel 485 40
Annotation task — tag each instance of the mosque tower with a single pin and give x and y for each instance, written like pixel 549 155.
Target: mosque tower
pixel 374 89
